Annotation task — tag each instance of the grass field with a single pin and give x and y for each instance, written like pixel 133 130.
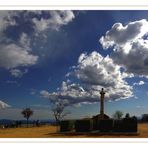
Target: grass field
pixel 50 132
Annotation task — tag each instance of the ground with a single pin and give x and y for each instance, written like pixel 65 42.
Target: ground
pixel 50 132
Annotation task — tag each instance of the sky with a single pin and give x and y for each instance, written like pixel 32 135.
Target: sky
pixel 47 57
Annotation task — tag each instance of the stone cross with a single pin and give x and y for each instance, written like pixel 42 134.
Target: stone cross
pixel 102 93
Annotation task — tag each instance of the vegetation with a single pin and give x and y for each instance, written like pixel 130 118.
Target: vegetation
pixel 144 118
pixel 118 114
pixel 27 113
pixel 127 115
pixel 59 112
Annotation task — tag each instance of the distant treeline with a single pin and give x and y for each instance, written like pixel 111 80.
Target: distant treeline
pixel 144 118
pixel 9 121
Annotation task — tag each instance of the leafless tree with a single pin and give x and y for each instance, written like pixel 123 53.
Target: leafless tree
pixel 59 111
pixel 27 113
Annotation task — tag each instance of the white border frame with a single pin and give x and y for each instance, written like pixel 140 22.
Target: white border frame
pixel 76 5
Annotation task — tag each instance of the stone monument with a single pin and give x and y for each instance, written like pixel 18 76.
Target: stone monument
pixel 102 93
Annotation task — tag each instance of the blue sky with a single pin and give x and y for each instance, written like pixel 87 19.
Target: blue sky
pixel 39 48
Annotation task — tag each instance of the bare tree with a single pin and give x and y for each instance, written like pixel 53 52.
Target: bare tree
pixel 59 111
pixel 118 114
pixel 27 113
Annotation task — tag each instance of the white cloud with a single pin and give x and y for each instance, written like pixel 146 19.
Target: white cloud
pixel 139 106
pixel 6 19
pixel 3 105
pixel 93 72
pixel 12 56
pixel 40 25
pixel 97 70
pixel 18 73
pixel 45 93
pixel 25 41
pixel 136 61
pixel 11 82
pixel 17 51
pixel 139 83
pixel 130 46
pixel 120 35
pixel 14 53
pixel 55 21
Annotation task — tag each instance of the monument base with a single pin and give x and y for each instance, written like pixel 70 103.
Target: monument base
pixel 98 133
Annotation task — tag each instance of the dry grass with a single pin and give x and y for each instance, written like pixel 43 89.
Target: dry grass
pixel 31 132
pixel 50 132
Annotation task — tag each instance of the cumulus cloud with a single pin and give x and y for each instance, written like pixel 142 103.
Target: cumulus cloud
pixel 40 20
pixel 18 73
pixel 17 50
pixel 121 35
pixel 25 41
pixel 55 21
pixel 45 93
pixel 3 105
pixel 12 56
pixel 14 53
pixel 130 46
pixel 68 93
pixel 6 19
pixel 96 70
pixel 139 83
pixel 93 72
